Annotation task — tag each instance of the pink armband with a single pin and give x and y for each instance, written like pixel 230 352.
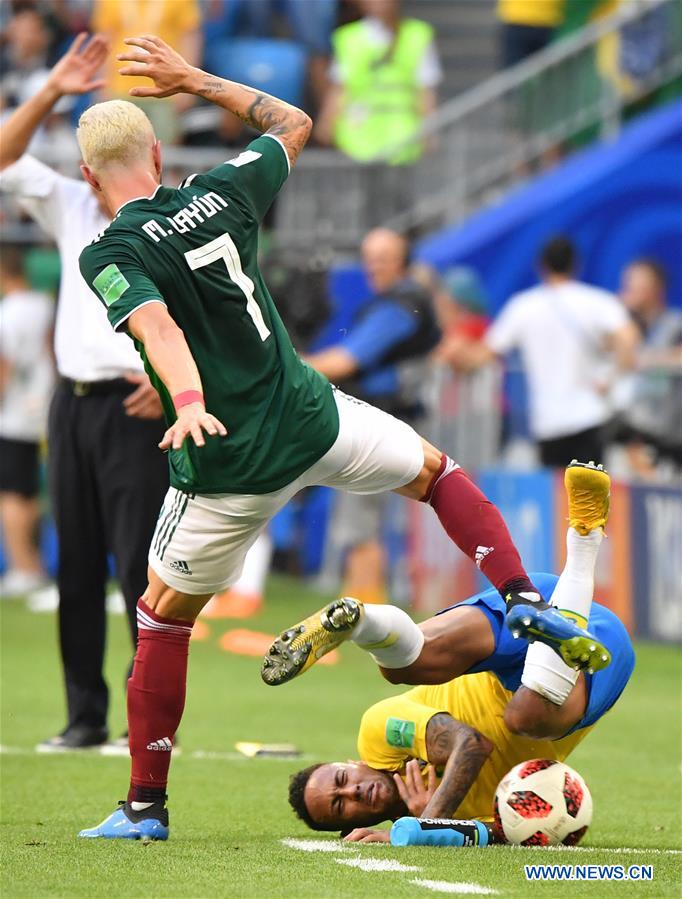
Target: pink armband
pixel 187 397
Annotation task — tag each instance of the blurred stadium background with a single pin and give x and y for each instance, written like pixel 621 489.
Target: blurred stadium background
pixel 582 137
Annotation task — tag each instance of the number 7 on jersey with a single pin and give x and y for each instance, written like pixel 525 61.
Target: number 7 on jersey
pixel 224 248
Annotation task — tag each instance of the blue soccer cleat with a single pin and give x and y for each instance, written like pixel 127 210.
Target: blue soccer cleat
pixel 127 824
pixel 576 646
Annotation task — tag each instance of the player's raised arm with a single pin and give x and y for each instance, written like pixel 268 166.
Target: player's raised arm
pixel 151 57
pixel 75 73
pixel 172 360
pixel 462 750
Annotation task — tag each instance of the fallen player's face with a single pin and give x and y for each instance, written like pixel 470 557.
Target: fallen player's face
pixel 351 794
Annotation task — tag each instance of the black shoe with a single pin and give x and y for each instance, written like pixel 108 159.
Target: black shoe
pixel 75 738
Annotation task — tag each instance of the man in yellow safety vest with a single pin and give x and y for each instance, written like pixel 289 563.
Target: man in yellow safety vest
pixel 384 75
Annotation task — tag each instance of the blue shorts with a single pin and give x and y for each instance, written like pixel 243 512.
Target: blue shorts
pixel 507 661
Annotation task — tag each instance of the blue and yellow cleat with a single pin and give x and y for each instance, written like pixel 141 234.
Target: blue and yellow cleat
pixel 127 824
pixel 576 646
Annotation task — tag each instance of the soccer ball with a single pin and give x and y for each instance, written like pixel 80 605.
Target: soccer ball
pixel 541 803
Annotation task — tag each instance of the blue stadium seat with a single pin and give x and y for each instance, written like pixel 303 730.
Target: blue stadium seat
pixel 275 66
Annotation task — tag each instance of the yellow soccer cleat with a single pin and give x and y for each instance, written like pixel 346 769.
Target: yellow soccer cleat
pixel 299 647
pixel 588 487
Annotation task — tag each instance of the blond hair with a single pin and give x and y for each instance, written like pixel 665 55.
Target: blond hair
pixel 114 132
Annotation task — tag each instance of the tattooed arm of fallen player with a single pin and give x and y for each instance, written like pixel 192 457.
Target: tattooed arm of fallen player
pixel 463 751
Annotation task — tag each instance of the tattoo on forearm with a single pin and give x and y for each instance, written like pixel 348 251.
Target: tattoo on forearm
pixel 211 87
pixel 465 750
pixel 273 116
pixel 266 114
pixel 459 776
pixel 440 734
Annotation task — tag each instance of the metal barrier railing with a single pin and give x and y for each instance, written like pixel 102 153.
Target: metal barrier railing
pixel 482 142
pixel 490 138
pixel 465 414
pixel 574 91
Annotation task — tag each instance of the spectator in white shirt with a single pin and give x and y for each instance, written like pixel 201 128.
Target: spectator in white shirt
pixel 26 383
pixel 107 476
pixel 574 341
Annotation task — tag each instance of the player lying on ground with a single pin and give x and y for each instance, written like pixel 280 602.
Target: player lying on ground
pixel 250 424
pixel 440 751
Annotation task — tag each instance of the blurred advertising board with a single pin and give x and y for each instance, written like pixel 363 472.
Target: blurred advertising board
pixel 639 574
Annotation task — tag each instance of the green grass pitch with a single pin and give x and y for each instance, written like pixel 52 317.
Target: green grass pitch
pixel 229 815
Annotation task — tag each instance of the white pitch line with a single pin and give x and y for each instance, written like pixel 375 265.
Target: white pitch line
pixel 322 845
pixel 376 864
pixel 107 751
pixel 317 845
pixel 447 886
pixel 611 850
pixel 239 757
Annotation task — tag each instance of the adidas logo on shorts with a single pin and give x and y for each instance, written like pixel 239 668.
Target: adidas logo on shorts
pixel 181 567
pixel 162 745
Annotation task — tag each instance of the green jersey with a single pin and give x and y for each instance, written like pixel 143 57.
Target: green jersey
pixel 194 249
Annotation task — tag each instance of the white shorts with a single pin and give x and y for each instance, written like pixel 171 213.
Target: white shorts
pixel 200 541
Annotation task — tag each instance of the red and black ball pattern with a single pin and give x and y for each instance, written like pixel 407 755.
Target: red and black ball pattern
pixel 537 839
pixel 497 822
pixel 529 805
pixel 535 765
pixel 573 794
pixel 574 838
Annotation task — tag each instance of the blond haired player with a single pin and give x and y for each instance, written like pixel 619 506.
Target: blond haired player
pixel 250 424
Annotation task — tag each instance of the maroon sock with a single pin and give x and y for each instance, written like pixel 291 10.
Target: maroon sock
pixel 476 526
pixel 156 699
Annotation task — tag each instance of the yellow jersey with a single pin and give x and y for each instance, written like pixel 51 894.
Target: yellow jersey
pixel 394 731
pixel 171 20
pixel 540 13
